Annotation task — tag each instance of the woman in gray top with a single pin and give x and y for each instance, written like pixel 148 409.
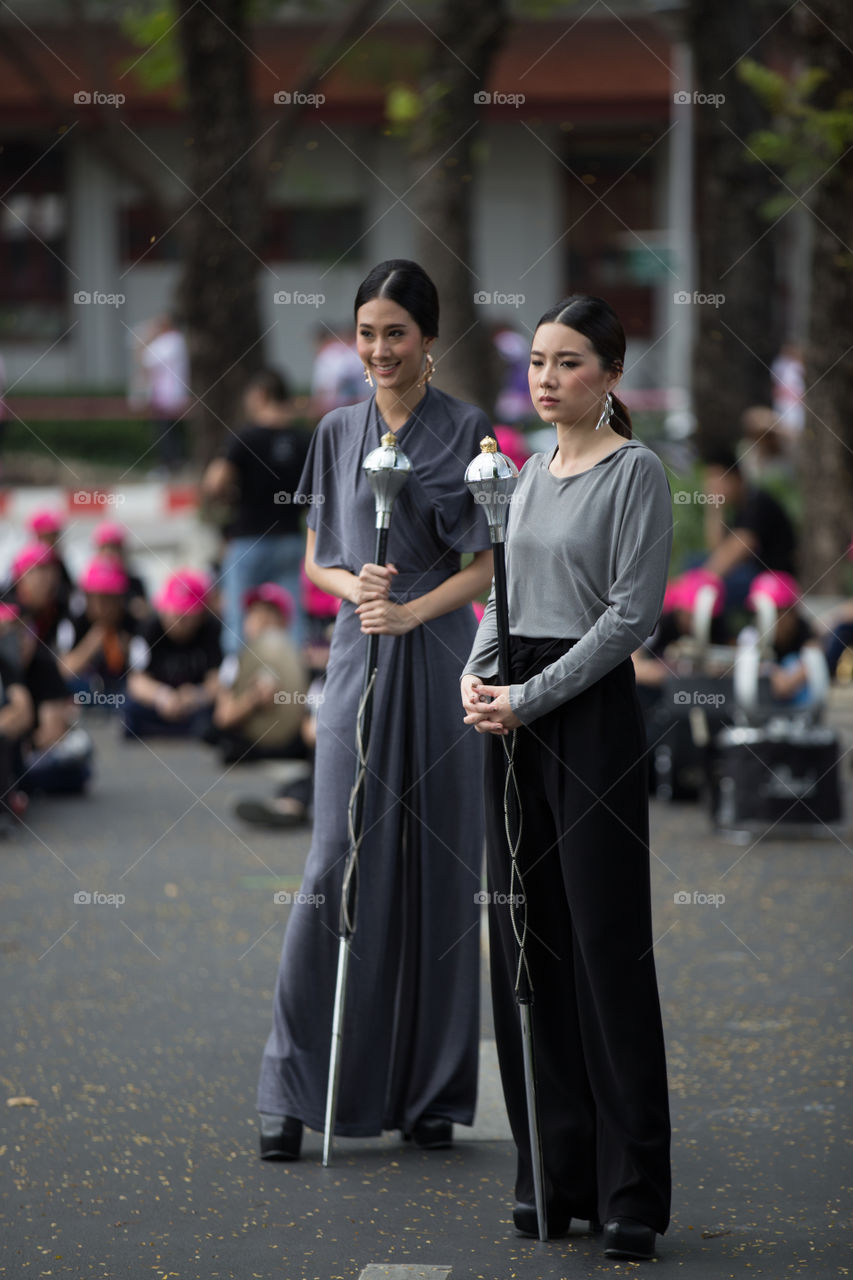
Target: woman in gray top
pixel 411 1026
pixel 588 543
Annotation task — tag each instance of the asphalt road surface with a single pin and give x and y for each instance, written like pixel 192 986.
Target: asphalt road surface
pixel 133 1028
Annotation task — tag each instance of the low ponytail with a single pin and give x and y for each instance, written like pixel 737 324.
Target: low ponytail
pixel 599 323
pixel 620 420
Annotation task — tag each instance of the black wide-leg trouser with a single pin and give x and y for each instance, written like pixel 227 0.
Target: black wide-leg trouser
pixel 597 1033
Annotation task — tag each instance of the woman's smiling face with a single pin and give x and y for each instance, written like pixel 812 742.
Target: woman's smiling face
pixel 390 343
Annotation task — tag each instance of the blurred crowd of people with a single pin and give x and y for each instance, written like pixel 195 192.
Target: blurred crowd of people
pixel 234 655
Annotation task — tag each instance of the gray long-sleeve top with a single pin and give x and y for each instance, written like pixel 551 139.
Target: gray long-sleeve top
pixel 587 559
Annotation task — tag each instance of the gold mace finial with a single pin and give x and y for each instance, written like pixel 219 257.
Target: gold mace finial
pixel 488 445
pixel 389 439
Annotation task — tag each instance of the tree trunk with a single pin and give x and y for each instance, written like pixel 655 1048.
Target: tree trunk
pixel 826 457
pixel 738 337
pixel 222 231
pixel 466 34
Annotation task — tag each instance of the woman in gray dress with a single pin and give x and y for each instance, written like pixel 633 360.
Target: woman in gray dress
pixel 411 1025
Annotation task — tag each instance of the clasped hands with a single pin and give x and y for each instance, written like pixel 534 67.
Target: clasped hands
pixel 379 615
pixel 487 706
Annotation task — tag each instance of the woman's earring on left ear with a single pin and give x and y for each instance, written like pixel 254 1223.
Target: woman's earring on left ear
pixel 367 376
pixel 429 370
pixel 606 412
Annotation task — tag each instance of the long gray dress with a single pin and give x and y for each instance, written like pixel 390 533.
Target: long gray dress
pixel 411 1024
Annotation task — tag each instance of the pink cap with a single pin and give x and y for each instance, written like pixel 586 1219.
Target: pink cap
pixel 781 588
pixel 271 593
pixel 105 576
pixel 184 592
pixel 316 603
pixel 513 444
pixel 8 612
pixel 682 593
pixel 33 555
pixel 109 534
pixel 45 522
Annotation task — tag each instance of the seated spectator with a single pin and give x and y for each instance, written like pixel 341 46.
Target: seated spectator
pixel 57 754
pixel 292 805
pixel 16 720
pixel 260 701
pixel 36 587
pixel 94 646
pixel 46 527
pixel 174 663
pixel 110 539
pixel 653 661
pixel 746 530
pixel 791 676
pixel 838 643
pixel 320 611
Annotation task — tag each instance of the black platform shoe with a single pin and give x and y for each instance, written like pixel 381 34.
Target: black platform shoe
pixel 627 1238
pixel 432 1132
pixel 559 1221
pixel 281 1137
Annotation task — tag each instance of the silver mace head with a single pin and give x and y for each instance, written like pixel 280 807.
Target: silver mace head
pixel 387 468
pixel 491 477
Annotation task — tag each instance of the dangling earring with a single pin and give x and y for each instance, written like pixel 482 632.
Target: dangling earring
pixel 367 376
pixel 606 412
pixel 429 370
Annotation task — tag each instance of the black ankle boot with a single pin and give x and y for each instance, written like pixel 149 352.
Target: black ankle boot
pixel 627 1238
pixel 559 1220
pixel 432 1132
pixel 281 1137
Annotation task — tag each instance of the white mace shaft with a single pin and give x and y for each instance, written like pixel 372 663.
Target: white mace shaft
pixel 344 945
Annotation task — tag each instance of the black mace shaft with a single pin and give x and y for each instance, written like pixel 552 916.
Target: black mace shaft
pixel 387 469
pixel 491 478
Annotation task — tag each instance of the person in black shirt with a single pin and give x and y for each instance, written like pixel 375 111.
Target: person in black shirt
pixel 94 646
pixel 261 467
pixel 746 530
pixel 174 663
pixel 16 717
pixel 56 754
pixel 37 589
pixel 110 539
